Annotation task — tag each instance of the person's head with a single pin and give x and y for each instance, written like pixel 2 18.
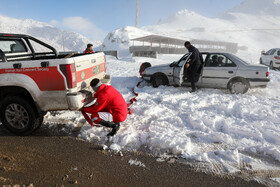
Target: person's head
pixel 89 47
pixel 220 59
pixel 187 44
pixel 214 58
pixel 95 84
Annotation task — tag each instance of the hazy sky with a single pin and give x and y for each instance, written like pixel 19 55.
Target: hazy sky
pixel 95 18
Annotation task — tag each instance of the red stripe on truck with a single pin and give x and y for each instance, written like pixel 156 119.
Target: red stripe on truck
pixel 47 79
pixel 90 72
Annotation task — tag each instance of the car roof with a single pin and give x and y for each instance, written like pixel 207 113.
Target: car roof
pixel 222 53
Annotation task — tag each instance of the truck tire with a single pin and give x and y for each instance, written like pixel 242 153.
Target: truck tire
pixel 18 115
pixel 238 86
pixel 159 80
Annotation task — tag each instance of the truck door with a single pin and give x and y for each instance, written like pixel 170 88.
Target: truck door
pixel 218 70
pixel 178 70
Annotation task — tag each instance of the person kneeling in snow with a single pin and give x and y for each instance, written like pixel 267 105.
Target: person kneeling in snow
pixel 110 108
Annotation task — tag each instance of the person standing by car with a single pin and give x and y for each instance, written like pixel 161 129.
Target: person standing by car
pixel 89 49
pixel 110 108
pixel 194 63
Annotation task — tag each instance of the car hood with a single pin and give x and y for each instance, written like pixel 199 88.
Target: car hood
pixel 164 68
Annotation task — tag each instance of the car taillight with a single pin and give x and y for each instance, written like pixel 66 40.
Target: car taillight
pixel 267 74
pixel 69 71
pixel 277 57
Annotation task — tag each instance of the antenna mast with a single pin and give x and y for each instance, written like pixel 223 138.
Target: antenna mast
pixel 137 12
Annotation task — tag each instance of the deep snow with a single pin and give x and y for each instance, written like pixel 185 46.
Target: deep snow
pixel 226 132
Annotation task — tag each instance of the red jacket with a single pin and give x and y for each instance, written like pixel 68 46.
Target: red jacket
pixel 109 100
pixel 88 52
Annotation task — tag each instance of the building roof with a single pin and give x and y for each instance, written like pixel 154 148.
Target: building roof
pixel 160 39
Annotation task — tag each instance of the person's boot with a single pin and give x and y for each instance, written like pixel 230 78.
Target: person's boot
pixel 107 123
pixel 115 129
pixel 115 126
pixel 193 90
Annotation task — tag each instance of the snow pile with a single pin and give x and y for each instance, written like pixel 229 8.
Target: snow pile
pixel 120 39
pixel 136 163
pixel 57 38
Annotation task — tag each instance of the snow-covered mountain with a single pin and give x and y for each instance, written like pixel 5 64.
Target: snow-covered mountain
pixel 60 39
pixel 258 7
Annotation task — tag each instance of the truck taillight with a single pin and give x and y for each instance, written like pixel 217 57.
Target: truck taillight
pixel 69 71
pixel 277 57
pixel 267 74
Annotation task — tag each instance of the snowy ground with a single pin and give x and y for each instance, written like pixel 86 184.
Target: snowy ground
pixel 228 133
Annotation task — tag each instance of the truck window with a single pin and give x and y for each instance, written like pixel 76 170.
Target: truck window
pixel 12 46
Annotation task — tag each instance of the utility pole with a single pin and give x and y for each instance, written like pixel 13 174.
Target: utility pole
pixel 137 12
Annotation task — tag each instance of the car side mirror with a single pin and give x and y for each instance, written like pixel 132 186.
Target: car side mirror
pixel 172 64
pixel 263 53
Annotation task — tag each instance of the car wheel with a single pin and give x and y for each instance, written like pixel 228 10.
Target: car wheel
pixel 271 66
pixel 159 80
pixel 18 115
pixel 238 87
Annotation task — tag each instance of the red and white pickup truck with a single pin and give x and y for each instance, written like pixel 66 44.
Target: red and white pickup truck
pixel 35 78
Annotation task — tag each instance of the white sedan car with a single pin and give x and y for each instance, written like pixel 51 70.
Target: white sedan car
pixel 219 70
pixel 271 58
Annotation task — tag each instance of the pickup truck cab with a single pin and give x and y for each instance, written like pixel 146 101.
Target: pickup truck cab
pixel 35 78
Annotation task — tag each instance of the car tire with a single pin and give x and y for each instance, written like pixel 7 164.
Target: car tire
pixel 239 86
pixel 18 115
pixel 271 66
pixel 159 80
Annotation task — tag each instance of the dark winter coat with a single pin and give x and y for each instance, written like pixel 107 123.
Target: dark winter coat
pixel 195 57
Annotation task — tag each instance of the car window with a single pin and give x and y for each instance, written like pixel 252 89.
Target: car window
pixel 268 52
pixel 272 52
pixel 183 60
pixel 12 46
pixel 218 60
pixel 278 53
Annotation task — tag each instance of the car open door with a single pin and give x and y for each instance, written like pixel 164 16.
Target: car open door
pixel 178 70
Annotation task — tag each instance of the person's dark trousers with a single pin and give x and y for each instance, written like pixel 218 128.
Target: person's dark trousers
pixel 193 74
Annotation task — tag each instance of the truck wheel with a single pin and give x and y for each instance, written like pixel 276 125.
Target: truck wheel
pixel 238 87
pixel 159 80
pixel 18 115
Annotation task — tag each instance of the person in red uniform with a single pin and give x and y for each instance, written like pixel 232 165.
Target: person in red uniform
pixel 110 108
pixel 89 49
